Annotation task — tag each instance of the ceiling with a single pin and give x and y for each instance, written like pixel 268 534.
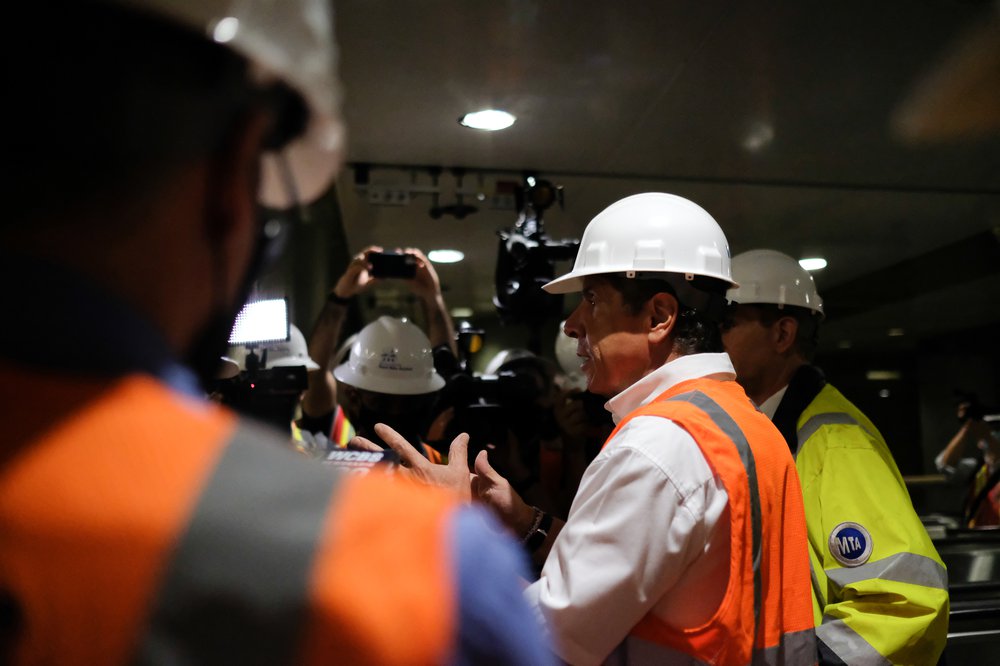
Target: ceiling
pixel 811 129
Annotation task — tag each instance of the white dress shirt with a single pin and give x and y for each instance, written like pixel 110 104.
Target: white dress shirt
pixel 648 530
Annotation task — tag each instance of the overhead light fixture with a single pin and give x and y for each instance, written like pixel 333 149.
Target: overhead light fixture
pixel 884 393
pixel 459 313
pixel 225 30
pixel 813 263
pixel 490 120
pixel 445 256
pixel 896 332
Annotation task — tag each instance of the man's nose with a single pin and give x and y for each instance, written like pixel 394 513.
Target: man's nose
pixel 571 326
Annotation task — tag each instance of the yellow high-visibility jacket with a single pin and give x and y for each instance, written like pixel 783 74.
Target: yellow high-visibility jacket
pixel 880 589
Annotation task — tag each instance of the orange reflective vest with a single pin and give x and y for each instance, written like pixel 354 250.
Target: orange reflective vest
pixel 137 525
pixel 766 614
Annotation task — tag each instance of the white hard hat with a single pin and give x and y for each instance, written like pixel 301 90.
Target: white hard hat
pixel 771 277
pixel 291 41
pixel 391 356
pixel 646 233
pixel 283 353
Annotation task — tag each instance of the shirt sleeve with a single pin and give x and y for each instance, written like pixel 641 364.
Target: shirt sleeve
pixel 632 531
pixel 496 625
pixel 894 604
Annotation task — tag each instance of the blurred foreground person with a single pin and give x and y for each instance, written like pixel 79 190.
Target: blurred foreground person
pixel 880 590
pixel 686 541
pixel 140 523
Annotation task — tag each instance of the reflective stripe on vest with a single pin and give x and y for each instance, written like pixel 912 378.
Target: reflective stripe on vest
pixel 229 595
pixel 728 426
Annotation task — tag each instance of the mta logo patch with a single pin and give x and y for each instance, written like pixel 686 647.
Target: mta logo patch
pixel 850 544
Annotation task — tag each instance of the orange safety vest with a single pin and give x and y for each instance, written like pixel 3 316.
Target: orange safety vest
pixel 766 614
pixel 138 525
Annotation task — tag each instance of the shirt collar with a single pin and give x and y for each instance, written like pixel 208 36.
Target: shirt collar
pixel 770 406
pixel 665 377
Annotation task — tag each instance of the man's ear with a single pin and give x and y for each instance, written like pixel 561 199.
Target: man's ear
pixel 783 334
pixel 663 311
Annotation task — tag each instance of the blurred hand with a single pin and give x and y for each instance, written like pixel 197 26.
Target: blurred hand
pixel 357 276
pixel 425 284
pixel 454 476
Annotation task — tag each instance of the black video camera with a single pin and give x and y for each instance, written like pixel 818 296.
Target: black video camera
pixel 268 394
pixel 491 407
pixel 526 258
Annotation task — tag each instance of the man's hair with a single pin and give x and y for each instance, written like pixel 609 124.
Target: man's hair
pixel 696 331
pixel 112 101
pixel 807 332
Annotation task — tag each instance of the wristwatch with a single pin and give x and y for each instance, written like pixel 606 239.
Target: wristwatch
pixel 539 531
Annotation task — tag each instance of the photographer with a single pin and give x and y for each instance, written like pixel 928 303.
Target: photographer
pixel 320 409
pixel 978 469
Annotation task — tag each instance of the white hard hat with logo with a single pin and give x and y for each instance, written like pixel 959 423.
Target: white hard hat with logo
pixel 283 353
pixel 290 41
pixel 653 232
pixel 391 356
pixel 771 277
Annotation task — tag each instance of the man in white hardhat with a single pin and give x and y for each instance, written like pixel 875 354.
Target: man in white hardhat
pixel 141 523
pixel 865 539
pixel 686 540
pixel 389 378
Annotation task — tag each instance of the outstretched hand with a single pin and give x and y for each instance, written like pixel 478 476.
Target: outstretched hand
pixel 454 476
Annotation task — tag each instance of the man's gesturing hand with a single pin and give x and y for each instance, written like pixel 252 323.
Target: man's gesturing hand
pixel 455 475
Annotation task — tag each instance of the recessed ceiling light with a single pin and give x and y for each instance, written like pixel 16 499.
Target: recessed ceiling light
pixel 445 256
pixel 458 313
pixel 225 30
pixel 896 332
pixel 490 120
pixel 884 393
pixel 813 263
